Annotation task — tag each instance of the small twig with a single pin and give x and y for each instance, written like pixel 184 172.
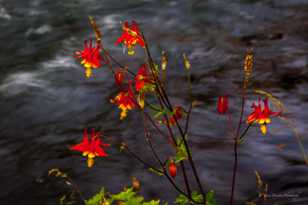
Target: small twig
pixel 245 131
pixel 142 161
pixel 155 125
pixel 188 119
pixel 158 159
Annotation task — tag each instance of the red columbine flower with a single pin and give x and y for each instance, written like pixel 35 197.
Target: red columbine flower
pixel 125 101
pixel 222 104
pixel 90 57
pixel 142 79
pixel 261 115
pixel 91 148
pixel 130 37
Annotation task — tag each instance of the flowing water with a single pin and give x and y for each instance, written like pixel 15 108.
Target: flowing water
pixel 46 101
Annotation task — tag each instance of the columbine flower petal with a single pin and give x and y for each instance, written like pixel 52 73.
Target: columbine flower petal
pixel 125 101
pixel 90 57
pixel 143 79
pixel 261 115
pixel 91 148
pixel 263 129
pixel 130 37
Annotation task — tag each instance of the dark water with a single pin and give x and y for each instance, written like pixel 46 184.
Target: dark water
pixel 46 102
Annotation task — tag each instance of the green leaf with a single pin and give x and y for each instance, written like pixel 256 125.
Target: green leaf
pixel 196 196
pixel 96 199
pixel 62 200
pixel 124 195
pixel 153 202
pixel 210 198
pixel 129 197
pixel 134 200
pixel 149 87
pixel 181 152
pixel 181 200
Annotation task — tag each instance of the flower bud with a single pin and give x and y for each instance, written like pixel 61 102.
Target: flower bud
pixel 172 169
pixel 222 104
pixel 135 184
pixel 119 76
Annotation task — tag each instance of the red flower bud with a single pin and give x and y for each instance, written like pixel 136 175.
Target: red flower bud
pixel 119 76
pixel 172 169
pixel 222 104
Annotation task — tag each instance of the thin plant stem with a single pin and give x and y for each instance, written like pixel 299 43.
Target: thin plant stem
pixel 142 161
pixel 175 143
pixel 117 62
pixel 235 148
pixel 245 131
pixel 188 119
pixel 148 139
pixel 185 178
pixel 166 101
pixel 155 125
pixel 181 163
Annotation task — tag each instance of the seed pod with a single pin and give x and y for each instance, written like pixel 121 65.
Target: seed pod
pixel 164 60
pixel 172 169
pixel 248 65
pixel 98 34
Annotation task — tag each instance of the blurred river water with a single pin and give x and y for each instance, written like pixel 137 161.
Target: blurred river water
pixel 45 100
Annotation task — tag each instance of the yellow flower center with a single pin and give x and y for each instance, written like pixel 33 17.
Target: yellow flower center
pixel 263 129
pixel 90 162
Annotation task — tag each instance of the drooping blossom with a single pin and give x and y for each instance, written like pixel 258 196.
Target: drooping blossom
pixel 125 101
pixel 172 169
pixel 90 57
pixel 119 76
pixel 91 148
pixel 130 37
pixel 143 80
pixel 222 104
pixel 261 115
